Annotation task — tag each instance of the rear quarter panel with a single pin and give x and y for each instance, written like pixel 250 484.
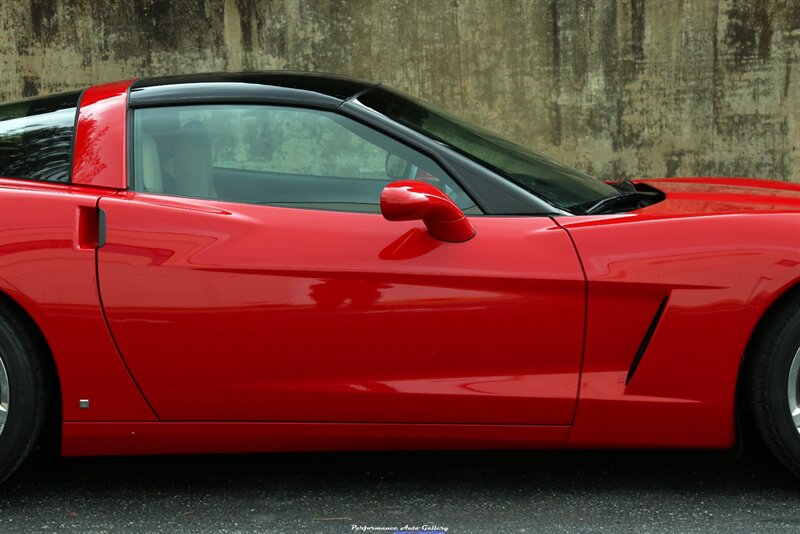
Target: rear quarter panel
pixel 47 266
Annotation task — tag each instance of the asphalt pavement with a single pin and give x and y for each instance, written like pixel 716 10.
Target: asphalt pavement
pixel 474 492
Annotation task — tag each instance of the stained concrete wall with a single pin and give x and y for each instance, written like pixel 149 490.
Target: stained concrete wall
pixel 617 88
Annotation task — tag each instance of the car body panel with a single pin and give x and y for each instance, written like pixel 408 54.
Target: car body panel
pixel 724 195
pixel 683 389
pixel 100 151
pixel 47 265
pixel 104 439
pixel 228 311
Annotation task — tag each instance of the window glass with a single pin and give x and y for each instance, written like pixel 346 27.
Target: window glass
pixel 36 137
pixel 560 185
pixel 275 156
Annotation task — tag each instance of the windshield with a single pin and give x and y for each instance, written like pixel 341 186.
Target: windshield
pixel 560 185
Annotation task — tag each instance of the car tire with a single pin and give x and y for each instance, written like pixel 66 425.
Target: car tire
pixel 24 389
pixel 774 379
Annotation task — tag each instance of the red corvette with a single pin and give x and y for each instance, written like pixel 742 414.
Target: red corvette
pixel 272 262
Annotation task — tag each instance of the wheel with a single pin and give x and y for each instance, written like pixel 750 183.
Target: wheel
pixel 775 384
pixel 24 391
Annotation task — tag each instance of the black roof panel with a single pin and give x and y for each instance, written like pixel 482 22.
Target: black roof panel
pixel 324 90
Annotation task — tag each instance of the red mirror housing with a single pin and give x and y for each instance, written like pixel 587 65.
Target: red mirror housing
pixel 409 200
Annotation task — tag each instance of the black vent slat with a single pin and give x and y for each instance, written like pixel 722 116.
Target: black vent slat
pixel 646 340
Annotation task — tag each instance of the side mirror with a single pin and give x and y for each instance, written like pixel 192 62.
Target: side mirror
pixel 410 200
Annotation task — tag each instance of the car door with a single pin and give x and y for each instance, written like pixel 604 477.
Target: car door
pixel 248 276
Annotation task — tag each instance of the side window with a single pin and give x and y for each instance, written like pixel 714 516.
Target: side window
pixel 36 138
pixel 273 155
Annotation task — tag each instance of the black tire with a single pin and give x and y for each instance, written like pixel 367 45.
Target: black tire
pixel 774 350
pixel 23 354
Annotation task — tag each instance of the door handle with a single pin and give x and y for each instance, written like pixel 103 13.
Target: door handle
pixel 90 228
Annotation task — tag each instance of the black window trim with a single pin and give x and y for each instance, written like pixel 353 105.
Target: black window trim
pixel 75 134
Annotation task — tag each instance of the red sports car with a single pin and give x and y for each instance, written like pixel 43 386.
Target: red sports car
pixel 279 261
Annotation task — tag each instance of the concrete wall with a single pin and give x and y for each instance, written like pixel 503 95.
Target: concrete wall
pixel 617 88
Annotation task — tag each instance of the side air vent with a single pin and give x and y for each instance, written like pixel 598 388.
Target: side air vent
pixel 646 340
